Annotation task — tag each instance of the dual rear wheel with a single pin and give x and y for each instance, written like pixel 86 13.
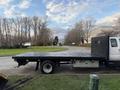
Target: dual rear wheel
pixel 47 67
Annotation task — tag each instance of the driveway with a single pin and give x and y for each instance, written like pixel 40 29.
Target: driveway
pixel 9 67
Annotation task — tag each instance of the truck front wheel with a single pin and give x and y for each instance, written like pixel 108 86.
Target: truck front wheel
pixel 47 67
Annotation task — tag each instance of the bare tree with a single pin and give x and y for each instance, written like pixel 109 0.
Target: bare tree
pixel 35 26
pixel 16 31
pixel 76 35
pixel 116 28
pixel 88 25
pixel 45 35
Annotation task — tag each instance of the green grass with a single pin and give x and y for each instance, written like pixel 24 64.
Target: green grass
pixel 69 82
pixel 111 82
pixel 7 52
pixel 13 79
pixel 86 45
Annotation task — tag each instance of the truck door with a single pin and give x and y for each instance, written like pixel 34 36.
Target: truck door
pixel 114 48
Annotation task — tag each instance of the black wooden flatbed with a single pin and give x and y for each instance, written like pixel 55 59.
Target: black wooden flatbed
pixel 57 56
pixel 53 58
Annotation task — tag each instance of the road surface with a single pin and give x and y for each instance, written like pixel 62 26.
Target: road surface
pixel 9 67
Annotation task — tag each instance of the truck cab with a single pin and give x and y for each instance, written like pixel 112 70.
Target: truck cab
pixel 114 48
pixel 106 47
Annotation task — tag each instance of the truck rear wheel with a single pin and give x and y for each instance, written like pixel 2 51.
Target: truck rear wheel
pixel 47 67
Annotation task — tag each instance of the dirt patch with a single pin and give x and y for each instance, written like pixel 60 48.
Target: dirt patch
pixel 19 83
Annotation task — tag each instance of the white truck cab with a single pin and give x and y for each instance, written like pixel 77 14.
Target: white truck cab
pixel 114 48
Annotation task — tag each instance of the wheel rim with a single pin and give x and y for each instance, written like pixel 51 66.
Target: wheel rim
pixel 47 68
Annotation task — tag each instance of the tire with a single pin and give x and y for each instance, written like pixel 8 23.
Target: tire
pixel 47 67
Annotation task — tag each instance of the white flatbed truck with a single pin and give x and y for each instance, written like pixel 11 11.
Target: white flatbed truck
pixel 105 52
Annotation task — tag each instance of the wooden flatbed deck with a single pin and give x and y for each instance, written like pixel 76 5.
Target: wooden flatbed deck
pixel 61 56
pixel 53 58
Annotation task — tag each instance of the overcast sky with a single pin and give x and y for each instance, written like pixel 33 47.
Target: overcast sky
pixel 63 14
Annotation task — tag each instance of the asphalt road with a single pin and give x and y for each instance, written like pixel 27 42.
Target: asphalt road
pixel 9 67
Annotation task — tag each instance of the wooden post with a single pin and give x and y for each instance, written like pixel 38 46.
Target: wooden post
pixel 94 82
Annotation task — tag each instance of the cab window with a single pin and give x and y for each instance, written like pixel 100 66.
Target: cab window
pixel 114 43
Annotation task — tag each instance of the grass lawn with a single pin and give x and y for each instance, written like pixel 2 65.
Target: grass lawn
pixel 5 52
pixel 86 45
pixel 67 82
